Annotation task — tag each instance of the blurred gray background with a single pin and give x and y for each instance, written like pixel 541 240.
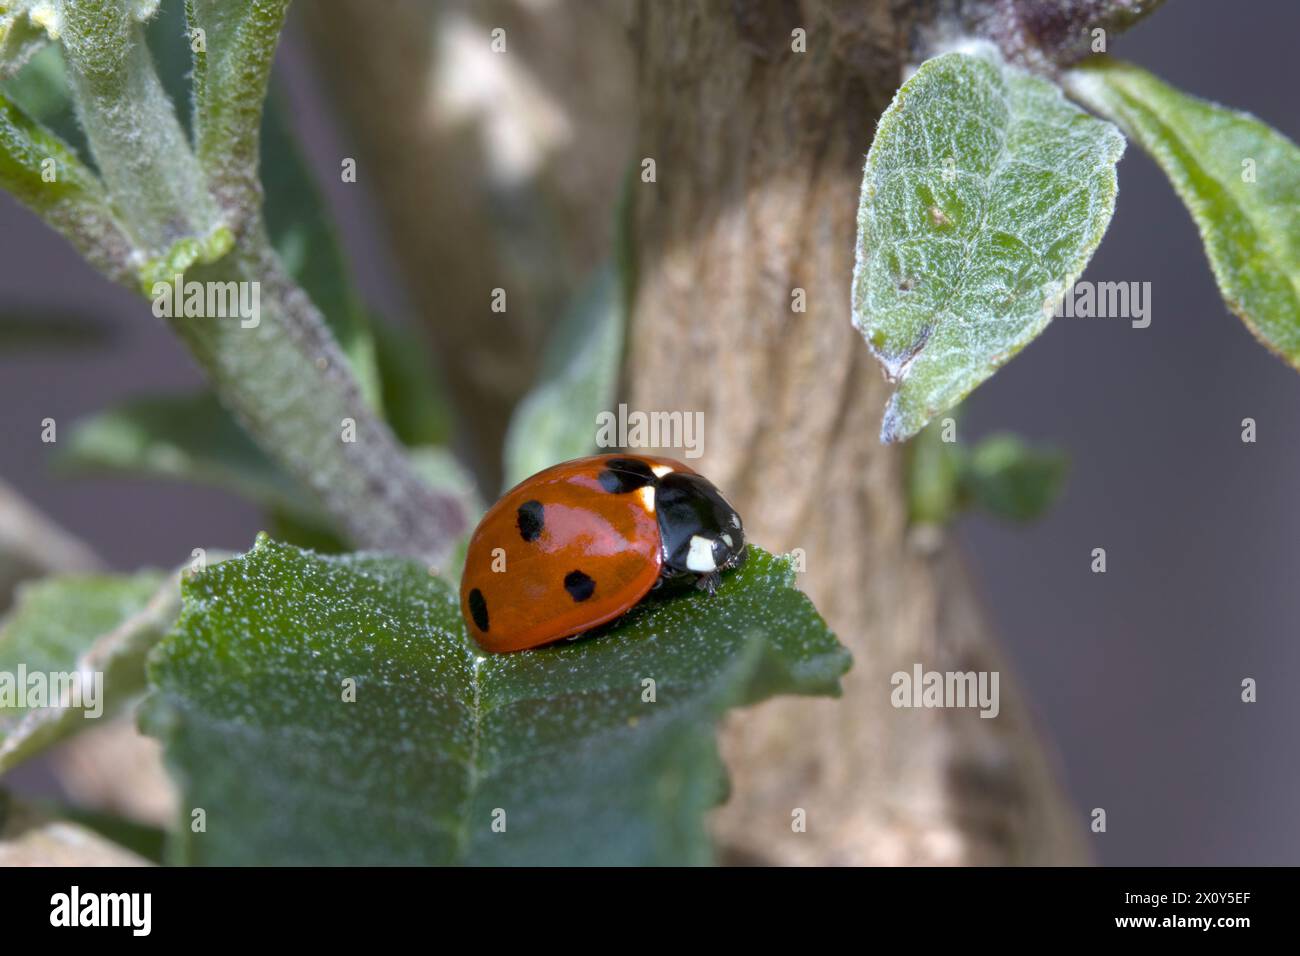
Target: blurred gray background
pixel 1135 674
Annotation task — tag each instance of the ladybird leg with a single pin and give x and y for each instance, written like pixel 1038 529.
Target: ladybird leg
pixel 708 582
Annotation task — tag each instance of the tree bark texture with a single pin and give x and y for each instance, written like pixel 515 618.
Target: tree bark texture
pixel 758 153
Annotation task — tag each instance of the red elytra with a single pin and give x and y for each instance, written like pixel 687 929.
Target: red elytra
pixel 579 544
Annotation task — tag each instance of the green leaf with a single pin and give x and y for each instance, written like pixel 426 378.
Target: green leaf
pixel 25 144
pixel 1010 480
pixel 933 466
pixel 298 220
pixel 186 438
pixel 88 624
pixel 173 212
pixel 20 38
pixel 73 201
pixel 985 194
pixel 140 149
pixel 41 90
pixel 1002 476
pixel 413 397
pixel 249 707
pixel 193 438
pixel 556 421
pixel 301 229
pixel 231 72
pixel 443 470
pixel 1239 178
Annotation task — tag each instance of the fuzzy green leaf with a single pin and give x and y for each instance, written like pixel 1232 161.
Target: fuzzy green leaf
pixel 1008 479
pixel 413 395
pixel 298 220
pixel 192 438
pixel 1239 178
pixel 556 421
pixel 20 37
pixel 985 194
pixel 140 149
pixel 441 740
pixel 181 437
pixel 45 174
pixel 41 90
pixel 232 67
pixel 88 624
pixel 1001 476
pixel 303 232
pixel 933 471
pixel 177 209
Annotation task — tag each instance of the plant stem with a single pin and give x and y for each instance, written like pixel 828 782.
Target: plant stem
pixel 1042 36
pixel 144 159
pixel 289 384
pixel 280 372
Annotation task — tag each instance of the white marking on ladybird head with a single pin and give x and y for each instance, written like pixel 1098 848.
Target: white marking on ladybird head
pixel 700 557
pixel 726 539
pixel 646 495
pixel 661 470
pixel 735 521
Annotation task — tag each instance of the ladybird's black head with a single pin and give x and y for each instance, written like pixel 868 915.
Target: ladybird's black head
pixel 700 531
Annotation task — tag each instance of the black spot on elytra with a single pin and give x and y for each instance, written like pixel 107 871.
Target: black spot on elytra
pixel 621 475
pixel 531 519
pixel 478 609
pixel 579 586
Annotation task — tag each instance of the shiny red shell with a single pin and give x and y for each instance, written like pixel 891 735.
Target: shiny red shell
pixel 559 554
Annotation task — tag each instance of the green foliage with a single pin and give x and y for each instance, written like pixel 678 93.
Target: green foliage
pixel 141 151
pixel 185 438
pixel 985 194
pixel 411 389
pixel 1011 480
pixel 232 67
pixel 20 38
pixel 40 89
pixel 556 421
pixel 192 438
pixel 23 146
pixel 74 203
pixel 182 255
pixel 90 623
pixel 159 207
pixel 933 467
pixel 250 706
pixel 1001 476
pixel 303 232
pixel 1239 178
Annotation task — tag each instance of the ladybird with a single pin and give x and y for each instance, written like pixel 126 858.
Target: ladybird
pixel 580 543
